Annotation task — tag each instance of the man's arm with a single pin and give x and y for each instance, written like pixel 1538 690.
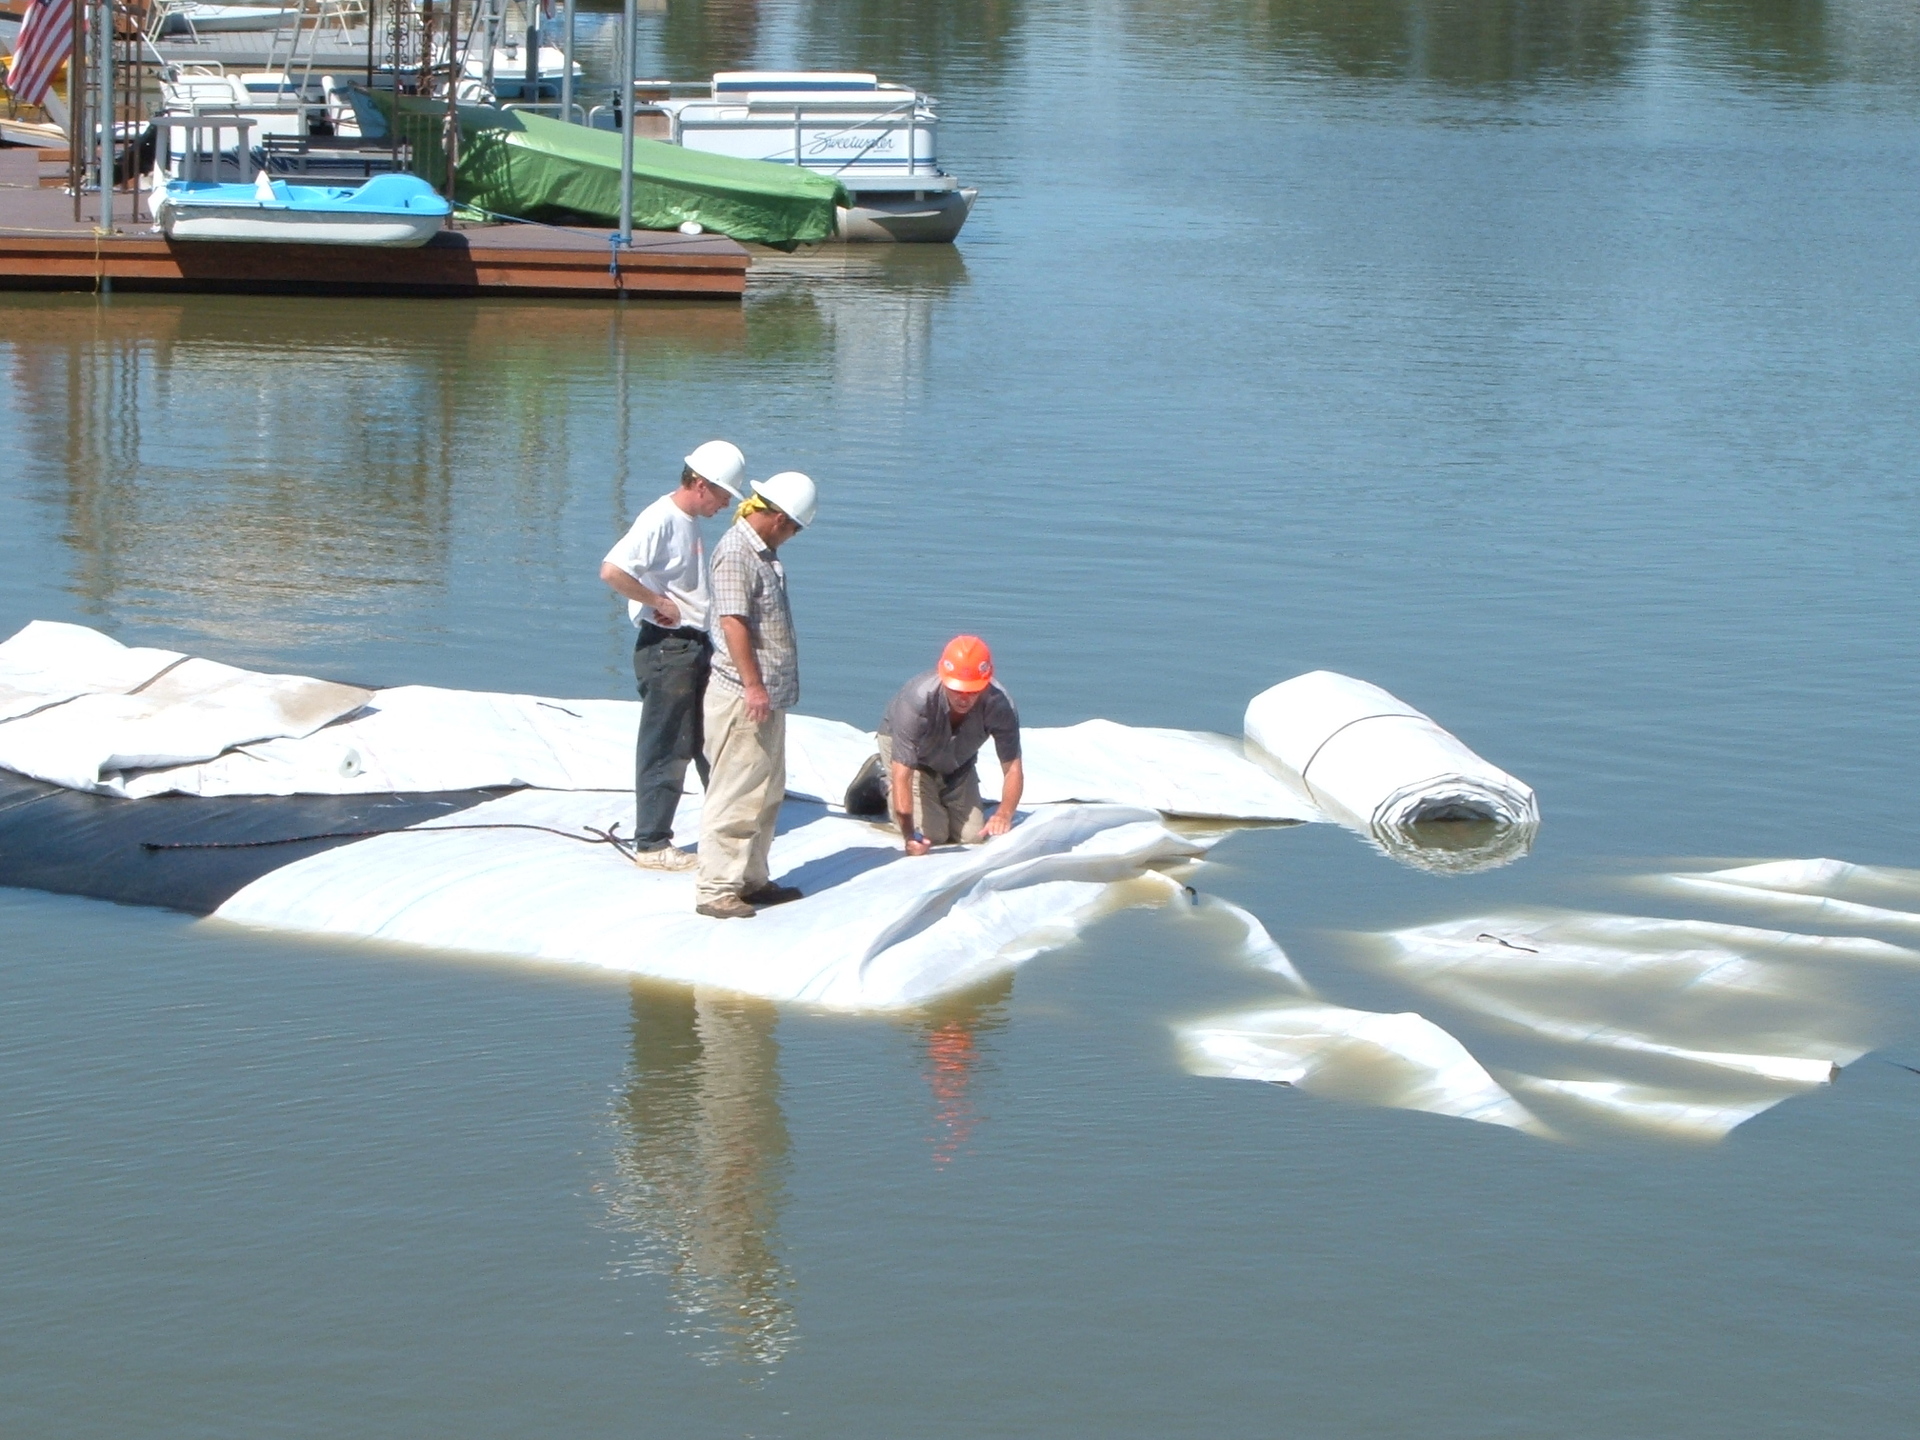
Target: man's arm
pixel 1013 779
pixel 663 607
pixel 740 646
pixel 902 789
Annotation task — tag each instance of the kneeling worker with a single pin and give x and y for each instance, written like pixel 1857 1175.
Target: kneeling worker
pixel 929 737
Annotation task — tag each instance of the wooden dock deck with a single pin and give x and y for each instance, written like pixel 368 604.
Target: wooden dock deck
pixel 43 248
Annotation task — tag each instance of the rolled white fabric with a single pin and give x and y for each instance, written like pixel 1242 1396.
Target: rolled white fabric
pixel 1379 766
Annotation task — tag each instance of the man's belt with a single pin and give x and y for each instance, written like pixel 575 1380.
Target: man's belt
pixel 684 632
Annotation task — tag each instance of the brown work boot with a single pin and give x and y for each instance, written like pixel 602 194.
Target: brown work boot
pixel 770 894
pixel 727 907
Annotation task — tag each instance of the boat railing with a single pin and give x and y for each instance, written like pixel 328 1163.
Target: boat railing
pixel 813 115
pixel 553 108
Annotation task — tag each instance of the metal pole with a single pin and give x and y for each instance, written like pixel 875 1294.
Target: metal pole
pixel 103 41
pixel 566 77
pixel 77 109
pixel 533 95
pixel 450 141
pixel 628 26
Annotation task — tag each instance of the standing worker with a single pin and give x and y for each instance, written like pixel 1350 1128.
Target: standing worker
pixel 660 565
pixel 756 680
pixel 929 738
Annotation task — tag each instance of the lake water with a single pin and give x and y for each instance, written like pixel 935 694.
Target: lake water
pixel 1555 366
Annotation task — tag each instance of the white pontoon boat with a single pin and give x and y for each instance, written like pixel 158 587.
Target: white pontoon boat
pixel 881 141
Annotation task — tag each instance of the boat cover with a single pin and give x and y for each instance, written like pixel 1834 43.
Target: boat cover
pixel 530 167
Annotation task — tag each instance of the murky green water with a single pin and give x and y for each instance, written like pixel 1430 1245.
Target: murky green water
pixel 1556 367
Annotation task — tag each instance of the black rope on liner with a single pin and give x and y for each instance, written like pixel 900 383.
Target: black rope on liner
pixel 592 837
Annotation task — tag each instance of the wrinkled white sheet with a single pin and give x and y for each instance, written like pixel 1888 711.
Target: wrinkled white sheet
pixel 876 930
pixel 1378 766
pixel 1402 1061
pixel 415 738
pixel 184 710
pixel 1177 772
pixel 1637 986
pixel 1824 892
pixel 49 663
pixel 1680 1114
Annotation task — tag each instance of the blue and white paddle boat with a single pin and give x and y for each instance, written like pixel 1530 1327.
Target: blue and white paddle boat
pixel 397 211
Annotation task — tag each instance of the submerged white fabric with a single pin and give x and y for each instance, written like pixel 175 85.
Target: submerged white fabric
pixel 1379 766
pixel 1637 986
pixel 876 930
pixel 1402 1061
pixel 1828 892
pixel 49 663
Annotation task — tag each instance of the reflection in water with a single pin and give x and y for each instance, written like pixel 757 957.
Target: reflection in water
pixel 1458 42
pixel 227 463
pixel 926 45
pixel 700 1169
pixel 951 1035
pixel 868 312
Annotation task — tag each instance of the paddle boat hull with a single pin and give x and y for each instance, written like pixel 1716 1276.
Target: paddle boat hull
pixel 391 211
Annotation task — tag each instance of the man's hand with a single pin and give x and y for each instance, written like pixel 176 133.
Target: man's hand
pixel 1001 822
pixel 918 846
pixel 666 614
pixel 759 707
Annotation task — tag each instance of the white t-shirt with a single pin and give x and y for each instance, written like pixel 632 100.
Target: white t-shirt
pixel 665 553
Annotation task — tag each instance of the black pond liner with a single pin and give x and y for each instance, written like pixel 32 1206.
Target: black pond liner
pixel 72 843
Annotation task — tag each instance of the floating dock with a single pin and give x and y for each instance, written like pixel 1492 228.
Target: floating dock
pixel 42 247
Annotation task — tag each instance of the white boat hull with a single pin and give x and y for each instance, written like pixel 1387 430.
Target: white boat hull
pixel 257 225
pixel 904 220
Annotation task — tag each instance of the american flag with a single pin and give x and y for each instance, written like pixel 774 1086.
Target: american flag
pixel 46 34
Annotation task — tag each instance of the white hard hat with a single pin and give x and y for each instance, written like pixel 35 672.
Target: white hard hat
pixel 721 462
pixel 792 493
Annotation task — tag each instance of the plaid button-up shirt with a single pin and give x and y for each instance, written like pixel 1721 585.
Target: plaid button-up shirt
pixel 751 584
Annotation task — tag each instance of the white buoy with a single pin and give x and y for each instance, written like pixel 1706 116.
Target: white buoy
pixel 691 227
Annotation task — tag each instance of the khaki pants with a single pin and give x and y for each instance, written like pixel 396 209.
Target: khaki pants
pixel 747 779
pixel 945 813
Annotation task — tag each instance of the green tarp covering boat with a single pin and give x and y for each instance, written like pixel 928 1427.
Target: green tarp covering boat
pixel 531 167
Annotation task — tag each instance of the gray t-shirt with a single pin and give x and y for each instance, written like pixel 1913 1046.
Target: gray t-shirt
pixel 923 733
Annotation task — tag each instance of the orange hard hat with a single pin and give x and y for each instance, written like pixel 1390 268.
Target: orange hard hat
pixel 966 664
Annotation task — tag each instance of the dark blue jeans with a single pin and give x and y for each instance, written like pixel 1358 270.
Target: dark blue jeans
pixel 671 667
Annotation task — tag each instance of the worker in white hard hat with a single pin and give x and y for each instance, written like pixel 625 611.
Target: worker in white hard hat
pixel 660 566
pixel 756 680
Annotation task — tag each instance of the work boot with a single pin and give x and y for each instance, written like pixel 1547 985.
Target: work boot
pixel 727 907
pixel 667 857
pixel 770 894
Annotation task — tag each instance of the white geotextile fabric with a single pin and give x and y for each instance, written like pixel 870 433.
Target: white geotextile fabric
pixel 48 663
pixel 173 739
pixel 1177 772
pixel 87 732
pixel 1379 766
pixel 876 930
pixel 1636 986
pixel 1683 1028
pixel 1825 892
pixel 1402 1061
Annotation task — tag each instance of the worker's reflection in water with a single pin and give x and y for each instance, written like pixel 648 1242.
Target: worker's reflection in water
pixel 954 1058
pixel 701 1168
pixel 700 1161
